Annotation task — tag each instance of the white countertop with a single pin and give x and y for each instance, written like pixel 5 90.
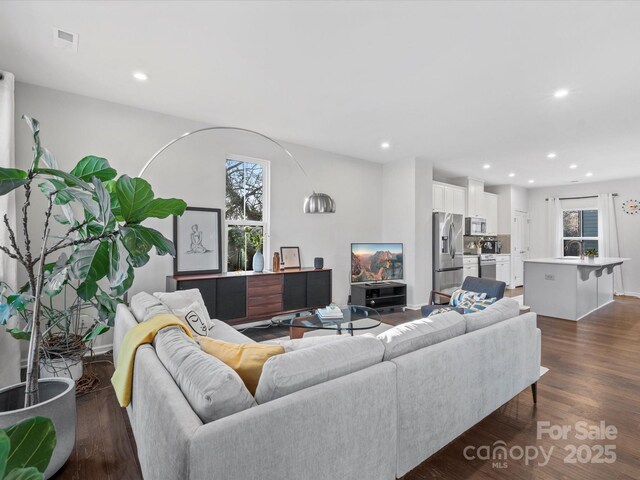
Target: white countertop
pixel 575 261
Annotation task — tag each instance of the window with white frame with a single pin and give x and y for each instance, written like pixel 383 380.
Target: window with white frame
pixel 246 209
pixel 579 231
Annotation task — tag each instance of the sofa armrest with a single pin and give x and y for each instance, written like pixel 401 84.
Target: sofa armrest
pixel 344 428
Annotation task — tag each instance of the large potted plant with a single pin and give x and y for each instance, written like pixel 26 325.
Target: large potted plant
pixel 93 238
pixel 69 327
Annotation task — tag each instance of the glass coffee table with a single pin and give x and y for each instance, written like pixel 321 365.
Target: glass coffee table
pixel 354 318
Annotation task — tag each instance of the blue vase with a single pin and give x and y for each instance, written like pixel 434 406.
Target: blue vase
pixel 258 262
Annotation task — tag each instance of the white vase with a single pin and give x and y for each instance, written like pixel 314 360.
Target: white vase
pixel 61 367
pixel 258 262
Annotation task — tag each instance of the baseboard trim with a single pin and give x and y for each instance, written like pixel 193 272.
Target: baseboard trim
pixel 630 294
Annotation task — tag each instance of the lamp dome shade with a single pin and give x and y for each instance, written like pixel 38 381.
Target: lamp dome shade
pixel 319 203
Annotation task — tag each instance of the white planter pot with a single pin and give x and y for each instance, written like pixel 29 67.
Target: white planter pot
pixel 61 367
pixel 57 402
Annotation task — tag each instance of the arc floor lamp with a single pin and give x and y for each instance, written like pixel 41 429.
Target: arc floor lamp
pixel 314 203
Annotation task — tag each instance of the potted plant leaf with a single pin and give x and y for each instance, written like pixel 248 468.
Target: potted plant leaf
pixel 26 449
pixel 255 237
pixel 92 238
pixel 591 254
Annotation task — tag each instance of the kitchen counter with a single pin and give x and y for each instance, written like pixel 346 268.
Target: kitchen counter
pixel 595 263
pixel 569 288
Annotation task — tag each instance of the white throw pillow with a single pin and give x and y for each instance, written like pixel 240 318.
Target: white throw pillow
pixel 182 299
pixel 195 318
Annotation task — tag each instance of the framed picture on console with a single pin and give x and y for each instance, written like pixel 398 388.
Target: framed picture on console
pixel 197 236
pixel 290 257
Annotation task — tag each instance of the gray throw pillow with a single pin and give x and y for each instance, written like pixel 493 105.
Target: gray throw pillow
pixel 503 309
pixel 287 373
pixel 212 388
pixel 412 336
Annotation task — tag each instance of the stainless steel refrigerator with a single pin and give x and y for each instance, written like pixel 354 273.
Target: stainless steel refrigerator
pixel 448 231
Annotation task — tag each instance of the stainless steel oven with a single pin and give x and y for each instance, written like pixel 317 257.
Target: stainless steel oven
pixel 488 266
pixel 475 226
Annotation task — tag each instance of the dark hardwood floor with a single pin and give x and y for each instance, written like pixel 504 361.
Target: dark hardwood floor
pixel 594 376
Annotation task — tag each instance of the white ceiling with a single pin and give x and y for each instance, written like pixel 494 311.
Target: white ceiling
pixel 462 84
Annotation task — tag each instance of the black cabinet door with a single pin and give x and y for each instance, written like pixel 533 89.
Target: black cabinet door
pixel 207 290
pixel 231 294
pixel 318 288
pixel 295 291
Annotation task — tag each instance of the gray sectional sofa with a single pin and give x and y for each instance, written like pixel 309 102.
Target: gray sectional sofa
pixel 410 391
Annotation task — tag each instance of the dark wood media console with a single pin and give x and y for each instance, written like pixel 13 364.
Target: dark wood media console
pixel 238 297
pixel 381 296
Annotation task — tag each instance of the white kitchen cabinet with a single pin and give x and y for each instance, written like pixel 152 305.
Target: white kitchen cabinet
pixel 490 212
pixel 470 266
pixel 438 197
pixel 458 200
pixel 503 268
pixel 475 198
pixel 448 198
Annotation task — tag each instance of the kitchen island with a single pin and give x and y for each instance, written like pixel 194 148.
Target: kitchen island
pixel 569 288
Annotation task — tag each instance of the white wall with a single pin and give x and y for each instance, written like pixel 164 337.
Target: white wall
pixel 628 225
pixel 407 212
pixel 74 126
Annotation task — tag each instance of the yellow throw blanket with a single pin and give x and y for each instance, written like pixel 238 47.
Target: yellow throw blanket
pixel 142 333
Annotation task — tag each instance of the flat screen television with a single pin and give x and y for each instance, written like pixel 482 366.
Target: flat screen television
pixel 376 262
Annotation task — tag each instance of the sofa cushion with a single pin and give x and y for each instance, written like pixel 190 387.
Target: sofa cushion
pixel 144 306
pixel 246 359
pixel 303 368
pixel 421 333
pixel 213 389
pixel 503 309
pixel 305 342
pixel 225 332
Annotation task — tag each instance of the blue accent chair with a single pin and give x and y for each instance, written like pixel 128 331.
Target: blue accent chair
pixel 492 288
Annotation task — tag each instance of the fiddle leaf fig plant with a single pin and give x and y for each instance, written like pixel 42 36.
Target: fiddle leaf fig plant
pixel 103 241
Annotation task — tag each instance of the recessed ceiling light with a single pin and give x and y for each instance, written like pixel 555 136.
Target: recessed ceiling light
pixel 573 166
pixel 552 155
pixel 140 76
pixel 486 166
pixel 385 145
pixel 588 174
pixel 531 181
pixel 561 93
pixel 512 174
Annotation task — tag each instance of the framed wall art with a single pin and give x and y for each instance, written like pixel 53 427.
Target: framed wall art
pixel 197 236
pixel 290 257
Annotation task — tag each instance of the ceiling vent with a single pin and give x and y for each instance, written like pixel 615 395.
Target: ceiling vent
pixel 65 40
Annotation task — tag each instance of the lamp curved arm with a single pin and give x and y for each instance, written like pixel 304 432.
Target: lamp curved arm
pixel 239 129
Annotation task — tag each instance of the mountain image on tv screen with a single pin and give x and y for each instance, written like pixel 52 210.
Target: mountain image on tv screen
pixel 375 262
